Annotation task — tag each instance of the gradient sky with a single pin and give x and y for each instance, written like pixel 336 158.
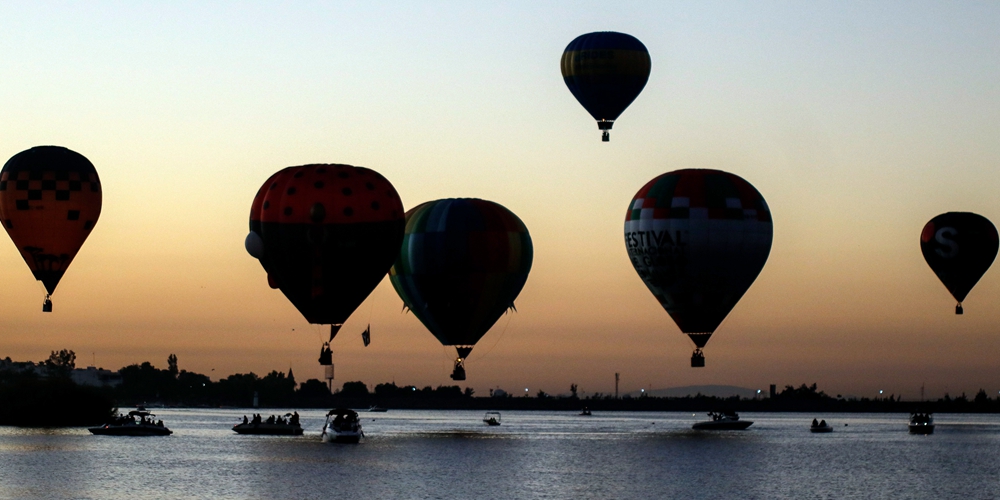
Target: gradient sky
pixel 857 121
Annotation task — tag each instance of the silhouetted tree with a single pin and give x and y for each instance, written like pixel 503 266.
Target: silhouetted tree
pixel 448 392
pixel 60 363
pixel 386 390
pixel 172 364
pixel 802 392
pixel 354 389
pixel 313 388
pixel 981 397
pixel 237 389
pixel 275 389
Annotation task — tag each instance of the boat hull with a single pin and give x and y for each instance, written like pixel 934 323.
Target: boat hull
pixel 921 429
pixel 130 430
pixel 821 429
pixel 264 429
pixel 738 425
pixel 342 437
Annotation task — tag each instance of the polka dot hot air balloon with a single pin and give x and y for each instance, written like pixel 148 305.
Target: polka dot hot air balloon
pixel 50 199
pixel 698 239
pixel 326 235
pixel 605 71
pixel 462 264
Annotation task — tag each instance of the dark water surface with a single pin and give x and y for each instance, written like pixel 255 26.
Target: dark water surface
pixel 451 454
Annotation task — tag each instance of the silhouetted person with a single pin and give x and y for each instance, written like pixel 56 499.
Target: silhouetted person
pixel 815 424
pixel 245 421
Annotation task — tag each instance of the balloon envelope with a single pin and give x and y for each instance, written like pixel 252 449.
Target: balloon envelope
pixel 698 239
pixel 959 247
pixel 605 71
pixel 462 264
pixel 327 235
pixel 50 199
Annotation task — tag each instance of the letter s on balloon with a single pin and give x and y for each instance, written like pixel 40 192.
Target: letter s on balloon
pixel 942 237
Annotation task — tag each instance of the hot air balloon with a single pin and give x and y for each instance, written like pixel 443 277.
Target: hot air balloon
pixel 959 247
pixel 326 235
pixel 50 199
pixel 462 264
pixel 698 239
pixel 605 71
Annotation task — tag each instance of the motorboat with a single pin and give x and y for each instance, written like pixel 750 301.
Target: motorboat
pixel 138 422
pixel 377 409
pixel 342 426
pixel 723 421
pixel 585 412
pixel 288 426
pixel 492 418
pixel 921 423
pixel 821 426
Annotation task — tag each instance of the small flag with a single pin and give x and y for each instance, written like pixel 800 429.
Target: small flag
pixel 366 335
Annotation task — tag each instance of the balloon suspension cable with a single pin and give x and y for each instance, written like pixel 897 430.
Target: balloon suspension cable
pixel 958 309
pixel 47 305
pixel 697 359
pixel 502 332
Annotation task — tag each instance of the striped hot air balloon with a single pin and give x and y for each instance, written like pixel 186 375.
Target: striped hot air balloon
pixel 605 71
pixel 698 239
pixel 50 199
pixel 461 265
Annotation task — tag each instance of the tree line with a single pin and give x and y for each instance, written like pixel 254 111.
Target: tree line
pixel 40 394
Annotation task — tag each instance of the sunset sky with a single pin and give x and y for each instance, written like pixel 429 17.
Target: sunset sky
pixel 857 121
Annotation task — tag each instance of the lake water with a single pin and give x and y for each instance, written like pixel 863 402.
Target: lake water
pixel 451 454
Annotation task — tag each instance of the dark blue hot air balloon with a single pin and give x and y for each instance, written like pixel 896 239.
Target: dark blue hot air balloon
pixel 605 71
pixel 959 247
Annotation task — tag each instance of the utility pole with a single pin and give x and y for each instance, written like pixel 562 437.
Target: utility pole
pixel 616 385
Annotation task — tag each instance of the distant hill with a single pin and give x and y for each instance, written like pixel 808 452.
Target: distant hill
pixel 719 391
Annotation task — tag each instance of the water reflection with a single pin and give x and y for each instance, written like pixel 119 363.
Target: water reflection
pixel 423 454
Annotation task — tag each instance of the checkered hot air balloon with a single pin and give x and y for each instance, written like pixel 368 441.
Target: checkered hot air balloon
pixel 461 265
pixel 50 199
pixel 698 239
pixel 605 71
pixel 959 247
pixel 326 235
